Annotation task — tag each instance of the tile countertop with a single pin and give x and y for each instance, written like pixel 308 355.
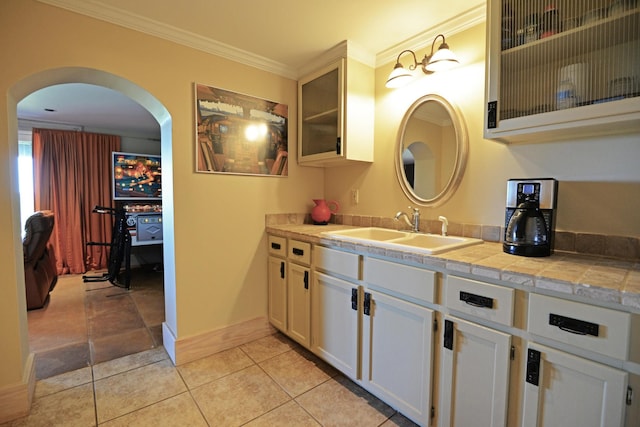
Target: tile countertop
pixel 610 281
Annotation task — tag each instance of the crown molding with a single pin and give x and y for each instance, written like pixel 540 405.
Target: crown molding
pixel 344 49
pixel 98 10
pixel 457 24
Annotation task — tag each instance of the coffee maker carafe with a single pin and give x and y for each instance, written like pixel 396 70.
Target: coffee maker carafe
pixel 530 217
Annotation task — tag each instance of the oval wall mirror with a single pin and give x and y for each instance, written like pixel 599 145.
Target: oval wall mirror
pixel 431 151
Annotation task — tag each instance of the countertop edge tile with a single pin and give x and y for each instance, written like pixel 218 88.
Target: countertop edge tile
pixel 484 261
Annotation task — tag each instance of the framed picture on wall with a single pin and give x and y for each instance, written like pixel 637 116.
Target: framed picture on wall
pixel 240 134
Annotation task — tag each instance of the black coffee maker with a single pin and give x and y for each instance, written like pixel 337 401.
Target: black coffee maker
pixel 530 217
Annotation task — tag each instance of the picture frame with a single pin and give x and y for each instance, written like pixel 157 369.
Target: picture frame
pixel 239 134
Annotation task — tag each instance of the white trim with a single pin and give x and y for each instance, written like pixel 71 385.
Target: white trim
pixel 457 24
pixel 99 10
pixel 145 25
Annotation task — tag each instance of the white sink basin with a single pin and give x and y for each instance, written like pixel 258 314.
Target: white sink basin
pixel 403 240
pixel 368 233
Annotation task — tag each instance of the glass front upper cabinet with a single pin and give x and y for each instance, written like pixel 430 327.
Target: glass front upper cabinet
pixel 335 116
pixel 562 69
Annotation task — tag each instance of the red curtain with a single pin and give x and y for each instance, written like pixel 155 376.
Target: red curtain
pixel 71 176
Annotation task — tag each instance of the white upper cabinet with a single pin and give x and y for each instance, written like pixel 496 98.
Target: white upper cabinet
pixel 562 69
pixel 335 113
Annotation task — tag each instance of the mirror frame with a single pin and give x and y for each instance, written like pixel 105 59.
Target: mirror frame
pixel 462 149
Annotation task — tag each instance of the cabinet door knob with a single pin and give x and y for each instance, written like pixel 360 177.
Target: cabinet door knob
pixel 354 299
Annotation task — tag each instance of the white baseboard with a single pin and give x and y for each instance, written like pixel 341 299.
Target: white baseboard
pixel 184 350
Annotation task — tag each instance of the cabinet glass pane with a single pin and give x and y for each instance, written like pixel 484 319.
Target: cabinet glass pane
pixel 320 108
pixel 567 53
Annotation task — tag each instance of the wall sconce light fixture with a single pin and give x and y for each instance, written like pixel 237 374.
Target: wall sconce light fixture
pixel 442 59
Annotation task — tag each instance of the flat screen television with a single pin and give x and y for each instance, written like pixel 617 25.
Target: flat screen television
pixel 136 176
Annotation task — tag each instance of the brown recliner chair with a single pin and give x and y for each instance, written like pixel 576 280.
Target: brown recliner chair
pixel 40 272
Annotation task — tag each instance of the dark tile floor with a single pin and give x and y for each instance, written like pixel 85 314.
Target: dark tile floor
pixel 88 323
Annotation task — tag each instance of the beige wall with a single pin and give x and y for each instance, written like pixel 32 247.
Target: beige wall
pixel 220 248
pixel 599 190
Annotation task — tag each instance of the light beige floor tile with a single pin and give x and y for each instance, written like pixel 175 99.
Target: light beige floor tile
pixel 267 347
pixel 340 402
pixel 69 408
pixel 62 382
pixel 127 363
pixel 132 390
pixel 297 372
pixel 211 368
pixel 289 414
pixel 239 397
pixel 180 410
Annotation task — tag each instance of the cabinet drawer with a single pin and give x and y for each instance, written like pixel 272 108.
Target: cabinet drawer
pixel 592 328
pixel 300 252
pixel 480 299
pixel 338 262
pixel 277 246
pixel 399 279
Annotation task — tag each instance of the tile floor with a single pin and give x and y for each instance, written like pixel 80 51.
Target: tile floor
pixel 88 323
pixel 268 382
pixel 99 361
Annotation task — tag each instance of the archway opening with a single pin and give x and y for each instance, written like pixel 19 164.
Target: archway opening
pixel 95 77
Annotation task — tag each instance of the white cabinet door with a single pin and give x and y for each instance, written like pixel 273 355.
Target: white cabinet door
pixel 299 304
pixel 397 351
pixel 334 319
pixel 474 375
pixel 569 391
pixel 277 270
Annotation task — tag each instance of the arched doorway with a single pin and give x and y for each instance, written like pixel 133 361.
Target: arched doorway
pixel 101 78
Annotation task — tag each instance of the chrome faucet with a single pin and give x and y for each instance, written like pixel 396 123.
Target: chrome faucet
pixel 445 224
pixel 415 219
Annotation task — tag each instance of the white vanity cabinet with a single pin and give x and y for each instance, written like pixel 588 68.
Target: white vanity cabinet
pixel 336 112
pixel 337 304
pixel 501 356
pixel 369 321
pixel 289 295
pixel 566 389
pixel 397 344
pixel 298 292
pixel 277 282
pixel 475 359
pixel 562 69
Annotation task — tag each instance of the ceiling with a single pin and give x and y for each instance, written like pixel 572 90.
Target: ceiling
pixel 260 33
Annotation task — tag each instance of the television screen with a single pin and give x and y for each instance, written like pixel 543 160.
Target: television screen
pixel 136 176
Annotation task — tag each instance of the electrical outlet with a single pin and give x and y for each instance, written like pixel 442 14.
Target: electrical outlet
pixel 355 196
